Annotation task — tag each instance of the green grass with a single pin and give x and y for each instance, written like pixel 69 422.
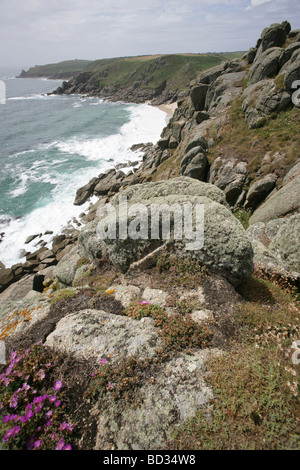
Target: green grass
pixel 255 382
pixel 63 69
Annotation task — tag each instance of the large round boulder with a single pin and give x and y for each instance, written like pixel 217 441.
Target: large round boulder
pixel 193 225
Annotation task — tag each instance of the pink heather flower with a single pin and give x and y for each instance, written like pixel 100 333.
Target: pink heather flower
pixel 41 374
pixel 57 403
pixel 57 385
pixel 13 403
pixel 37 444
pixel 30 443
pixel 110 386
pixel 60 444
pixel 48 414
pixel 144 302
pixel 28 415
pixel 103 361
pixel 7 435
pixel 38 408
pixel 67 447
pixel 63 426
pixel 16 429
pixel 52 398
pixel 48 423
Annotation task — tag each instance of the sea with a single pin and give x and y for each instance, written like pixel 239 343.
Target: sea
pixel 51 145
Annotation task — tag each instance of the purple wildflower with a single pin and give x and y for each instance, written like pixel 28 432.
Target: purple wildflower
pixel 37 444
pixel 60 444
pixel 41 374
pixel 7 435
pixel 57 403
pixel 103 361
pixel 57 385
pixel 63 426
pixel 52 398
pixel 67 447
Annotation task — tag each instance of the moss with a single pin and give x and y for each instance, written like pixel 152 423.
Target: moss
pixel 62 294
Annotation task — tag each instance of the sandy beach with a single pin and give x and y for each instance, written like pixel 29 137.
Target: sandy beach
pixel 168 108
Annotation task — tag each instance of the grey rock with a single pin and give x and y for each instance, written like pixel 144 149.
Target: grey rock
pixel 83 194
pixel 224 89
pixel 288 52
pixel 274 36
pixel 251 55
pixel 177 392
pixel 96 334
pixel 198 95
pixel 292 173
pixel 6 278
pixel 89 244
pixel 226 251
pixel 230 176
pixel 65 271
pixel 259 190
pixel 194 164
pixel 282 203
pixel 286 243
pixel 262 99
pixel 292 73
pixel 30 238
pixel 265 66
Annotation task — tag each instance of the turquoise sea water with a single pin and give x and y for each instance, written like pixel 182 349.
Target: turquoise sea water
pixel 50 146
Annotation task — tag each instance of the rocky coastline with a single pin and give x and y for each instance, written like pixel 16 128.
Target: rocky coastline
pixel 252 228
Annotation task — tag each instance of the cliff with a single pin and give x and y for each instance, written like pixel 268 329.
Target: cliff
pixel 138 79
pixel 156 346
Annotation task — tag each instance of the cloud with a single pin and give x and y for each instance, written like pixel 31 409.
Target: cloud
pixel 40 31
pixel 255 3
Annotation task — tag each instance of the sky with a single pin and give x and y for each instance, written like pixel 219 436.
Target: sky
pixel 38 32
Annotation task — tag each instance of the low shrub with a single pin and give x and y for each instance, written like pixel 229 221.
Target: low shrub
pixel 31 403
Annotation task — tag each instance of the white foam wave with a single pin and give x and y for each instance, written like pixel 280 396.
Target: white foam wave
pixel 22 188
pixel 145 125
pixel 30 97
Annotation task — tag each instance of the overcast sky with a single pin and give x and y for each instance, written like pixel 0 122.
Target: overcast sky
pixel 45 31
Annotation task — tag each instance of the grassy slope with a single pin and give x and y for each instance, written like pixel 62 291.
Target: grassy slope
pixel 66 67
pixel 177 69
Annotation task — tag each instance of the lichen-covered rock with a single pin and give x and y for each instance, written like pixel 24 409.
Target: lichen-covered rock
pixel 276 245
pixel 261 99
pixel 178 186
pixel 286 243
pixel 259 190
pixel 226 249
pixel 266 65
pixel 98 334
pixel 230 175
pixel 174 395
pixel 65 271
pixel 194 164
pixel 89 244
pixel 282 203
